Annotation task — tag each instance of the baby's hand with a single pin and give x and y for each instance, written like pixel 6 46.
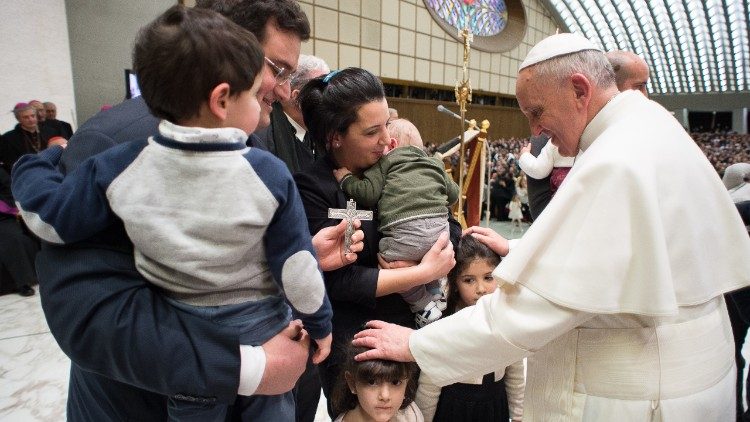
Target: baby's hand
pixel 340 173
pixel 324 349
pixel 526 148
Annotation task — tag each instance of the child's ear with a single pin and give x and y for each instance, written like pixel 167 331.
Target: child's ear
pixel 218 101
pixel 392 144
pixel 350 382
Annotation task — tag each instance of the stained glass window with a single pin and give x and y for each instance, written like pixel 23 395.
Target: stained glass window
pixel 486 18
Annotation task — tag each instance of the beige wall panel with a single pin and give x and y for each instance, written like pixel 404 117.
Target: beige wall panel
pixel 438 49
pixel 333 4
pixel 407 17
pixel 406 68
pixel 370 34
pixel 349 29
pixel 309 10
pixel 422 69
pixel 351 6
pixel 389 11
pixel 422 49
pixel 371 9
pixel 406 42
pixel 370 60
pixel 348 56
pixel 329 52
pixel 437 73
pixel 389 38
pixel 326 24
pixel 424 20
pixel 308 48
pixel 389 65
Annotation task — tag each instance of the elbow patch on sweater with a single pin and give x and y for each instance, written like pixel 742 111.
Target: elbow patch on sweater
pixel 39 227
pixel 303 283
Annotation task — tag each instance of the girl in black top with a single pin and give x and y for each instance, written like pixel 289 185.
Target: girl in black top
pixel 496 397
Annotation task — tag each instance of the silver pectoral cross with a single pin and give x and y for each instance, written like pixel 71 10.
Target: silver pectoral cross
pixel 349 214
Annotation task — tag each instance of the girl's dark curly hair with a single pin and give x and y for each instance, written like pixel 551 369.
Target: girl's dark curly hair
pixel 468 250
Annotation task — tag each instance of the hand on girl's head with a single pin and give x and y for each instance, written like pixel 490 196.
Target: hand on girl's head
pixel 489 237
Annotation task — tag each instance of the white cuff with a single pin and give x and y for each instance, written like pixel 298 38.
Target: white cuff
pixel 512 244
pixel 252 366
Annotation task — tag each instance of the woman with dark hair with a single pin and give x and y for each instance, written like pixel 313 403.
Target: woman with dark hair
pixel 347 116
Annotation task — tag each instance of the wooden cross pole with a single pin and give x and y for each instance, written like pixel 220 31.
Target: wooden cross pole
pixel 349 214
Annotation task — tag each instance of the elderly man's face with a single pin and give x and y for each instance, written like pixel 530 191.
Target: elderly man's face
pixel 27 119
pixel 282 48
pixel 51 111
pixel 552 109
pixel 638 77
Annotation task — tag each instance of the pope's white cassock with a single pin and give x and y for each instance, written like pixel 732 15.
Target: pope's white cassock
pixel 615 292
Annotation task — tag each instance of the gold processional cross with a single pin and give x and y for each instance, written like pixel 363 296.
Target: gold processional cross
pixel 463 97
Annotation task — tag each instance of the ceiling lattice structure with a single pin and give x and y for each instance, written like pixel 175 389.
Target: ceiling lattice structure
pixel 692 46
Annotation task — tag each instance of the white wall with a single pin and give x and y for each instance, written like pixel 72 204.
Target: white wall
pixel 35 59
pixel 101 39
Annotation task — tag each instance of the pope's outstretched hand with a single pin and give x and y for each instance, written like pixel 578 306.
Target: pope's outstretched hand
pixel 386 341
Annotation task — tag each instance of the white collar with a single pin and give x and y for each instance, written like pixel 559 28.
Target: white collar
pixel 299 130
pixel 197 135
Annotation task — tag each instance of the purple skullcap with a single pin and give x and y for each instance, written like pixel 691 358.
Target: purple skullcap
pixel 19 106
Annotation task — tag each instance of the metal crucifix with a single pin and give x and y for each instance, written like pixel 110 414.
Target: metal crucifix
pixel 349 214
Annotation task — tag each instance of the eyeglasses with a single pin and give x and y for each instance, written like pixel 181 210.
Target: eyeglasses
pixel 281 74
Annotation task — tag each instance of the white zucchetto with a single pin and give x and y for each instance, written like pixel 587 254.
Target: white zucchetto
pixel 557 45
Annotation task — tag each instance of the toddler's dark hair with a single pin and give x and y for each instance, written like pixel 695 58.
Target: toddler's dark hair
pixel 343 400
pixel 182 55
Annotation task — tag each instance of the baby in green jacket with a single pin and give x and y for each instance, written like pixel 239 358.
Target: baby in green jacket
pixel 413 193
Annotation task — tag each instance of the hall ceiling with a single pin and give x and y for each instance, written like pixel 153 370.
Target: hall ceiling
pixel 691 46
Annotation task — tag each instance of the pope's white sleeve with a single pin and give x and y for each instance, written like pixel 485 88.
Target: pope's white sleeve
pixel 427 397
pixel 515 385
pixel 502 328
pixel 540 166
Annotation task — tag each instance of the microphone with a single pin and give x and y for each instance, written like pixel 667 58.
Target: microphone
pixel 442 109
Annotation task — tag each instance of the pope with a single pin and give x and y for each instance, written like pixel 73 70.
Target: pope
pixel 615 294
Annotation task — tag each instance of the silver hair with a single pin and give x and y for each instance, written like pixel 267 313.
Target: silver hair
pixel 306 65
pixel 18 110
pixel 592 63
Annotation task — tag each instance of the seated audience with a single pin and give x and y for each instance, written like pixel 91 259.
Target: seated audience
pixel 50 110
pixel 28 137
